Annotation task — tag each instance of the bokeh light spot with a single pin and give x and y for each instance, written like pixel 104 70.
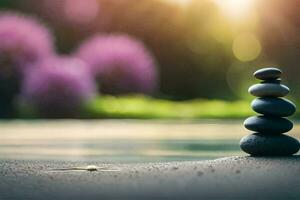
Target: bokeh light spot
pixel 246 47
pixel 81 11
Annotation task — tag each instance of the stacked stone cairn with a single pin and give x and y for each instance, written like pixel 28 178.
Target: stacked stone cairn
pixel 268 139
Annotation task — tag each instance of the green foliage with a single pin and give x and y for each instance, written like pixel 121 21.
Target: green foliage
pixel 6 3
pixel 141 107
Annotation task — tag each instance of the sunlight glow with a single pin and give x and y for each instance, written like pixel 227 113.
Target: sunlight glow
pixel 179 2
pixel 235 8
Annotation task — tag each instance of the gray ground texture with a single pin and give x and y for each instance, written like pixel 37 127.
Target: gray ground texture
pixel 226 178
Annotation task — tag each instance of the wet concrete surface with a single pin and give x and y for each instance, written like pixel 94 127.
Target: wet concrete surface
pixel 225 178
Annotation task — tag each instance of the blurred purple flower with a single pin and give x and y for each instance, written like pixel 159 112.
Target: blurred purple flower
pixel 58 87
pixel 71 12
pixel 120 63
pixel 23 40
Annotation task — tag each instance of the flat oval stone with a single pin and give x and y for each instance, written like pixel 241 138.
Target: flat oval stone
pixel 259 144
pixel 273 106
pixel 267 73
pixel 269 90
pixel 268 124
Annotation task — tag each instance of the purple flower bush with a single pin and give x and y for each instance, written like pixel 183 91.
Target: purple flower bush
pixel 58 87
pixel 70 12
pixel 121 64
pixel 23 40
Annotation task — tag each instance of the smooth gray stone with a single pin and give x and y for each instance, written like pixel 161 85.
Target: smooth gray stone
pixel 267 73
pixel 260 144
pixel 273 106
pixel 269 90
pixel 268 124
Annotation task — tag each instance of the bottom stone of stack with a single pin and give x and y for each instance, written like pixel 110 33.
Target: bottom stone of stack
pixel 260 144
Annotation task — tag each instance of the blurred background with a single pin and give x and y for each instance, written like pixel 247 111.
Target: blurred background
pixel 113 59
pixel 184 61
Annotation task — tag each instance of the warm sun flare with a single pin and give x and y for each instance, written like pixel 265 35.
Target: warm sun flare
pixel 179 2
pixel 235 8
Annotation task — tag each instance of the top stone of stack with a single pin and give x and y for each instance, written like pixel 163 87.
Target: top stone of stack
pixel 267 74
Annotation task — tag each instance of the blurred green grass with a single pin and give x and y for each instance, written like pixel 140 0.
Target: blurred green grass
pixel 144 107
pixel 141 107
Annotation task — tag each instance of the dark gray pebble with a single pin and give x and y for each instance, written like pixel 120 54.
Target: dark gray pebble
pixel 269 90
pixel 268 124
pixel 259 144
pixel 267 73
pixel 273 106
